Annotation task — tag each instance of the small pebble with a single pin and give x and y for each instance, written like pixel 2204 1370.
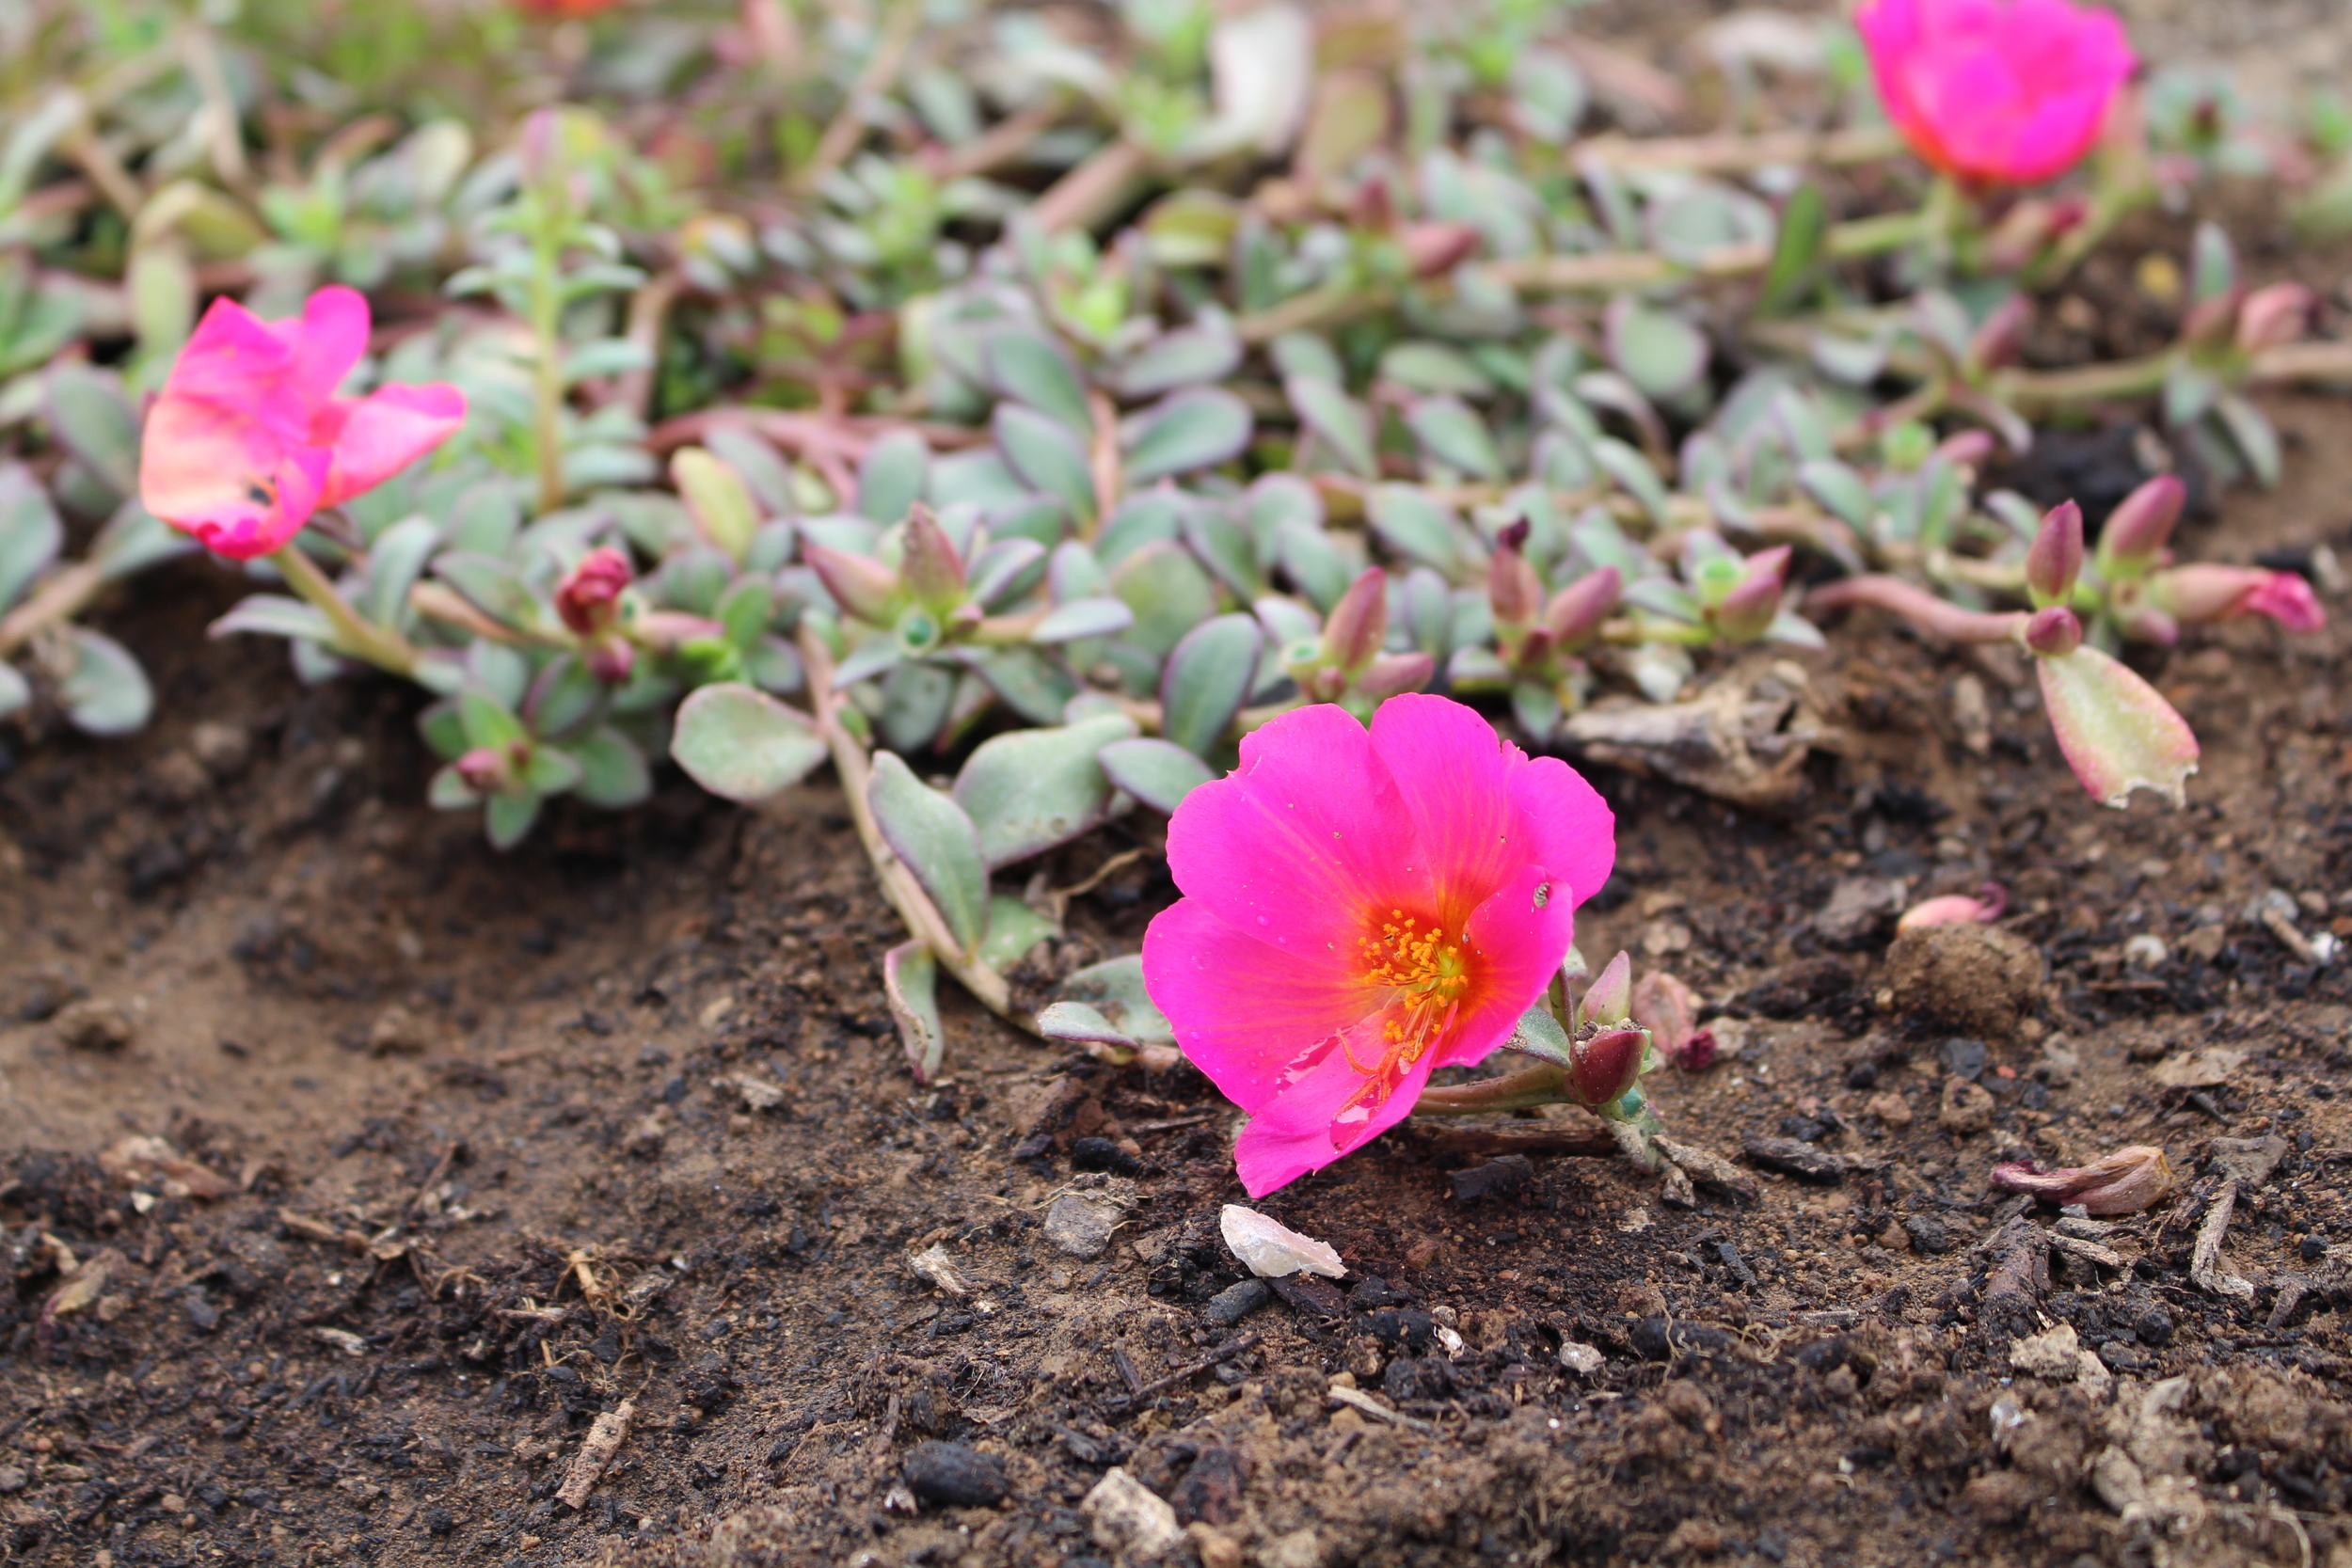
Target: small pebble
pixel 1583 1360
pixel 1271 1249
pixel 1080 1226
pixel 1235 1301
pixel 95 1026
pixel 1127 1517
pixel 1099 1153
pixel 1964 1058
pixel 955 1475
pixel 11 1479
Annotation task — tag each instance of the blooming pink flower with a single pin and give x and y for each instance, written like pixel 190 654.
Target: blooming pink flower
pixel 2001 92
pixel 1360 908
pixel 248 438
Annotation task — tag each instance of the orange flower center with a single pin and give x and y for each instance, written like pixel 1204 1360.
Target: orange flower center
pixel 1428 975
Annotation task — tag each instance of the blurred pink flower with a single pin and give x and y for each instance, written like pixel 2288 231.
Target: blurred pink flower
pixel 2007 93
pixel 248 438
pixel 1363 908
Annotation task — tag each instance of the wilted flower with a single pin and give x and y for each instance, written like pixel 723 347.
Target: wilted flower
pixel 248 438
pixel 2000 91
pixel 1957 909
pixel 2193 594
pixel 2273 315
pixel 1363 908
pixel 2123 1182
pixel 1666 1008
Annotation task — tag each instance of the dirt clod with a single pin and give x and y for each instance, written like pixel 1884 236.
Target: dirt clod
pixel 955 1475
pixel 94 1026
pixel 1980 979
pixel 1966 1108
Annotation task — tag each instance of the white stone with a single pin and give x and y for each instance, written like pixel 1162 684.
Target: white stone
pixel 1129 1518
pixel 1583 1360
pixel 1272 1250
pixel 2054 1354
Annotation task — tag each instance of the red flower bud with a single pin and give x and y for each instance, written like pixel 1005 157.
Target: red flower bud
pixel 1432 249
pixel 864 587
pixel 1957 909
pixel 930 566
pixel 1996 342
pixel 2141 524
pixel 2195 593
pixel 1666 1008
pixel 1359 624
pixel 2055 558
pixel 1512 586
pixel 1604 1065
pixel 1576 611
pixel 589 595
pixel 1392 675
pixel 487 769
pixel 1747 611
pixel 2271 316
pixel 2054 632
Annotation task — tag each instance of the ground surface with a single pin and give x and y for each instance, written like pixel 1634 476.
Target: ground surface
pixel 621 1117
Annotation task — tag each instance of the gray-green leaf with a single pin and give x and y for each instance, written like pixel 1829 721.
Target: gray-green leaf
pixel 938 843
pixel 743 744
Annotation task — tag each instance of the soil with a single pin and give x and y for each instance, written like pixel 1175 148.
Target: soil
pixel 474 1151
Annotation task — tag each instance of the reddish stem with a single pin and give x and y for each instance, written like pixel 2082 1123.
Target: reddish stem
pixel 1919 607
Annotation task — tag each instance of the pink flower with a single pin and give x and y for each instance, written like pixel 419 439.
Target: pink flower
pixel 248 438
pixel 2005 92
pixel 2194 593
pixel 1360 908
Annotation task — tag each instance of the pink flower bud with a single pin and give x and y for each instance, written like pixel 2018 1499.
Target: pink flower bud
pixel 1433 249
pixel 1602 1066
pixel 541 141
pixel 1957 909
pixel 611 659
pixel 1512 586
pixel 2123 1182
pixel 588 598
pixel 2192 594
pixel 1358 623
pixel 2054 632
pixel 2277 314
pixel 2055 558
pixel 1747 611
pixel 1666 1006
pixel 930 567
pixel 1610 999
pixel 864 587
pixel 487 769
pixel 2141 524
pixel 1576 611
pixel 1391 674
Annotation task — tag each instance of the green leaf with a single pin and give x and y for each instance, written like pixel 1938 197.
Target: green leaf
pixel 1313 563
pixel 1188 356
pixel 488 720
pixel 1141 520
pixel 1013 928
pixel 507 818
pixel 1157 772
pixel 551 770
pixel 1031 684
pixel 1539 1036
pixel 910 987
pixel 1046 456
pixel 1169 592
pixel 768 475
pixel 275 615
pixel 1430 367
pixel 612 772
pixel 1415 525
pixel 1226 549
pixel 492 586
pixel 394 561
pixel 1207 678
pixel 1081 618
pixel 917 699
pixel 1630 468
pixel 1450 431
pixel 133 540
pixel 30 534
pixel 93 421
pixel 938 843
pixel 2252 434
pixel 1796 251
pixel 1027 365
pixel 1195 429
pixel 1028 790
pixel 741 744
pixel 893 476
pixel 718 498
pixel 105 692
pixel 2188 392
pixel 1343 424
pixel 563 697
pixel 443 730
pixel 1657 351
pixel 1116 991
pixel 744 609
pixel 1839 488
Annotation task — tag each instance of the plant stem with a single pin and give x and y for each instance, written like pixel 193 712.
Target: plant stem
pixel 355 634
pixel 1722 154
pixel 1518 1091
pixel 882 67
pixel 60 599
pixel 546 376
pixel 922 917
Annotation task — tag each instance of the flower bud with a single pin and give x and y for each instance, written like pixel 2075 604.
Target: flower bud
pixel 1747 611
pixel 930 567
pixel 1957 909
pixel 1609 1000
pixel 1967 447
pixel 588 598
pixel 1606 1063
pixel 2054 632
pixel 2141 524
pixel 2192 594
pixel 1393 674
pixel 2123 1182
pixel 1666 1006
pixel 1576 611
pixel 859 584
pixel 541 142
pixel 1997 341
pixel 2271 316
pixel 487 769
pixel 1512 586
pixel 1358 623
pixel 1373 209
pixel 1433 249
pixel 611 659
pixel 2055 558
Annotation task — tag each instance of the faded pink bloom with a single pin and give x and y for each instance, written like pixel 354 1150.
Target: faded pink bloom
pixel 2123 1182
pixel 1957 909
pixel 1360 908
pixel 2193 594
pixel 2007 92
pixel 1666 1008
pixel 248 438
pixel 588 598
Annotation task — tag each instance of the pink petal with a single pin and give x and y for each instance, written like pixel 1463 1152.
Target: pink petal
pixel 234 360
pixel 2287 599
pixel 1318 1116
pixel 375 436
pixel 329 340
pixel 1568 828
pixel 221 476
pixel 1301 843
pixel 1244 1012
pixel 1515 943
pixel 1453 775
